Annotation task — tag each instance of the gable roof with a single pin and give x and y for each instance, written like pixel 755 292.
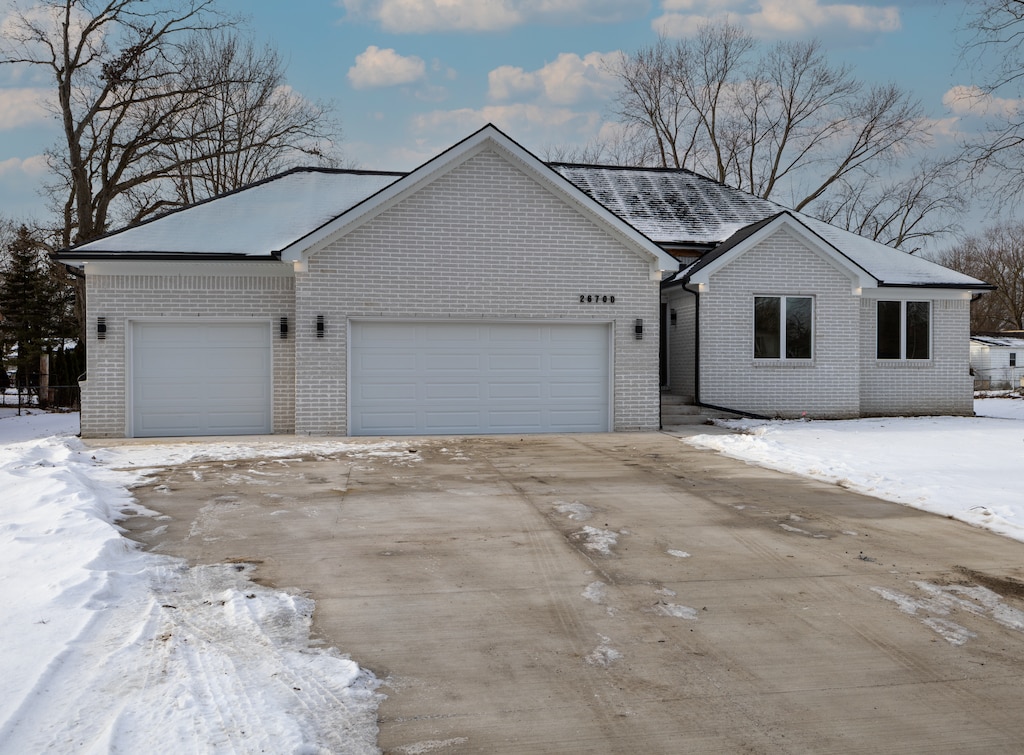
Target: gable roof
pixel 679 207
pixel 487 138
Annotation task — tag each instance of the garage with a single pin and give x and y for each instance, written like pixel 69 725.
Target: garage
pixel 437 378
pixel 209 378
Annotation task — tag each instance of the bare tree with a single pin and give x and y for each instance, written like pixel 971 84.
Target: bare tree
pixel 997 28
pixel 781 122
pixel 997 257
pixel 248 125
pixel 128 93
pixel 902 213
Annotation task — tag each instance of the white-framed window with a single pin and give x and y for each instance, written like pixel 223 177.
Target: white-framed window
pixel 783 327
pixel 904 330
pixel 1013 358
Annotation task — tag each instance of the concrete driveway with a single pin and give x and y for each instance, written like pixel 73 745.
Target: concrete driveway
pixel 624 593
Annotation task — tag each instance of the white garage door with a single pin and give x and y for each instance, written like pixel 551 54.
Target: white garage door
pixel 442 378
pixel 200 379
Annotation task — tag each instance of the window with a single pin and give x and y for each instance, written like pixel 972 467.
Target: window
pixel 1013 358
pixel 783 327
pixel 904 330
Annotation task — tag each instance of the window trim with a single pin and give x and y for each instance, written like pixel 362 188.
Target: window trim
pixel 783 306
pixel 903 329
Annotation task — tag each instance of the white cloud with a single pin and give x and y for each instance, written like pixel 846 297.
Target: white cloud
pixel 421 16
pixel 511 82
pixel 33 167
pixel 767 17
pixel 569 80
pixel 22 107
pixel 385 68
pixel 972 100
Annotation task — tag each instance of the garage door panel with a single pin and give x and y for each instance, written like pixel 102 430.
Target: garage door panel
pixel 451 361
pixel 389 422
pixel 480 378
pixel 201 378
pixel 377 360
pixel 516 362
pixel 577 392
pixel 517 334
pixel 389 390
pixel 453 421
pixel 515 390
pixel 452 391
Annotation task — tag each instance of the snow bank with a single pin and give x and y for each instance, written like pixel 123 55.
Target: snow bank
pixel 109 649
pixel 969 468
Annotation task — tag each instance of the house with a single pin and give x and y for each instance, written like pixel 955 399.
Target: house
pixel 489 292
pixel 997 360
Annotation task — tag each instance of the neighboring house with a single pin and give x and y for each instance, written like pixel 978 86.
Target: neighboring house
pixel 487 292
pixel 997 361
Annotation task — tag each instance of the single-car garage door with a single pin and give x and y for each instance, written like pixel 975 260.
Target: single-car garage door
pixel 440 378
pixel 200 378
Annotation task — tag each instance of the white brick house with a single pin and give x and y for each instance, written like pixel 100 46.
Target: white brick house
pixel 487 292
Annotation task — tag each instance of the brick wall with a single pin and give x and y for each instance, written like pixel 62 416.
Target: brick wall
pixel 682 342
pixel 828 385
pixel 484 241
pixel 207 290
pixel 940 385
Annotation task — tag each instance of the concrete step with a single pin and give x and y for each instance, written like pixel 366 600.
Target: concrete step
pixel 680 410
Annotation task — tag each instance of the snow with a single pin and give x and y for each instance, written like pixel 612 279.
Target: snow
pixel 263 218
pixel 110 649
pixel 968 468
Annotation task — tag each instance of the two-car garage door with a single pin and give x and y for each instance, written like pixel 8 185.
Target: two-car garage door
pixel 443 378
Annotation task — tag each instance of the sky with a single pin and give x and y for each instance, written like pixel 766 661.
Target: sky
pixel 409 78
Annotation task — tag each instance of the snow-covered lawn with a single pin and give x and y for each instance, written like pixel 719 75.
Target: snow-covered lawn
pixel 969 468
pixel 104 648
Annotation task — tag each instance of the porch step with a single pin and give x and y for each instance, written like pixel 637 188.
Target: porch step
pixel 680 410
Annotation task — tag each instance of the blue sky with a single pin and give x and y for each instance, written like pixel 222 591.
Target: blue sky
pixel 411 77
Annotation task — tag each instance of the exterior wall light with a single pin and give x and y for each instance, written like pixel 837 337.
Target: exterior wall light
pixel 638 329
pixel 284 329
pixel 101 328
pixel 319 326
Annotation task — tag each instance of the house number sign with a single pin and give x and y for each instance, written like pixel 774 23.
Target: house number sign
pixel 597 299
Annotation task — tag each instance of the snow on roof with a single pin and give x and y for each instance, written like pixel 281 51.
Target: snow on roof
pixel 1005 341
pixel 888 265
pixel 255 221
pixel 674 206
pixel 669 206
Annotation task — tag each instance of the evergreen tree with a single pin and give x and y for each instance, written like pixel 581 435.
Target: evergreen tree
pixel 35 306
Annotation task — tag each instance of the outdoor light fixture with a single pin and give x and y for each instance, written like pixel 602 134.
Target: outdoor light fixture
pixel 284 328
pixel 638 329
pixel 319 326
pixel 101 328
pixel 672 316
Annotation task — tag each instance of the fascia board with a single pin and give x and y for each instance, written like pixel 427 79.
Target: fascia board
pixel 860 277
pixel 260 269
pixel 919 293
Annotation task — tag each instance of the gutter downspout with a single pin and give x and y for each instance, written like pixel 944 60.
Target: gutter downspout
pixel 696 365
